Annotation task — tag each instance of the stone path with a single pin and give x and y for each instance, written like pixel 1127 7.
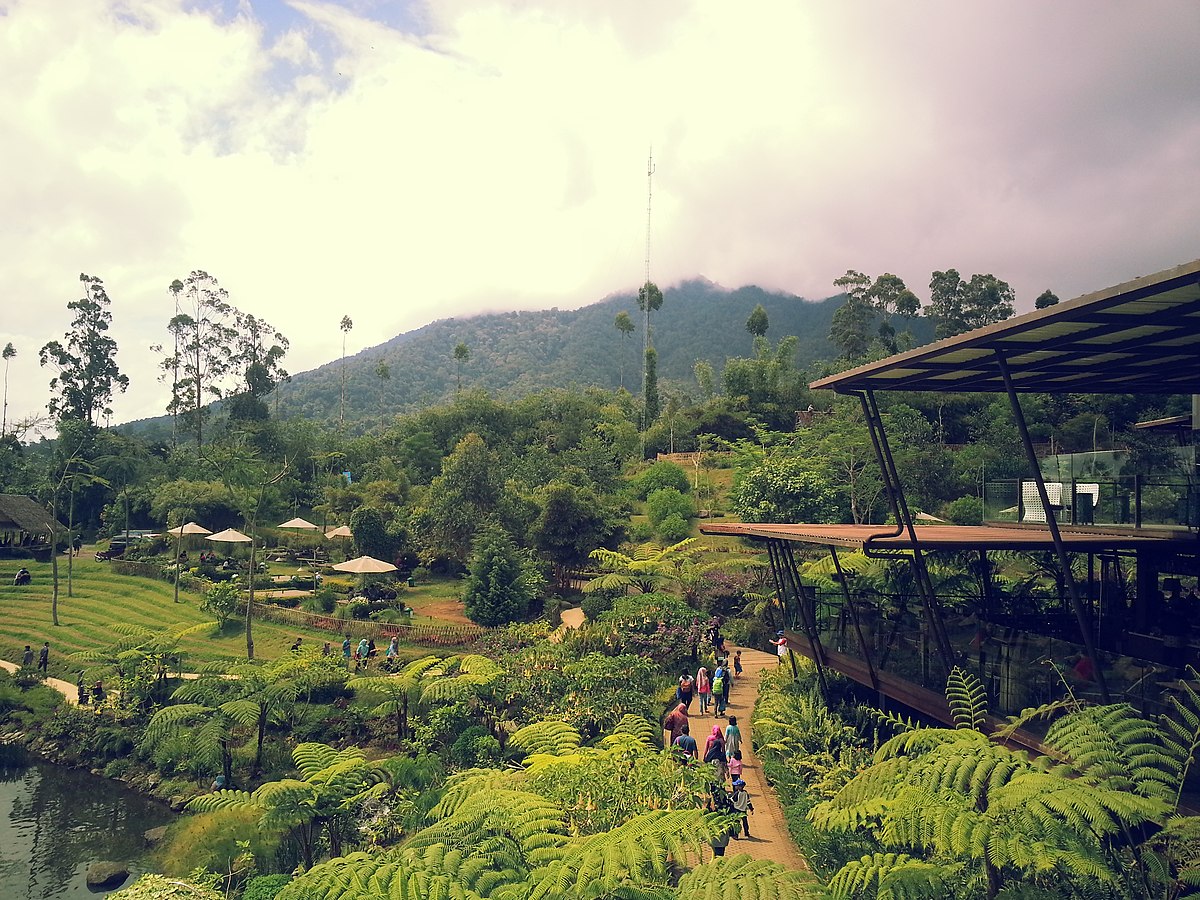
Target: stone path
pixel 769 836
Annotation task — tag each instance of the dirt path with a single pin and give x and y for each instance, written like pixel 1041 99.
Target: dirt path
pixel 769 836
pixel 68 690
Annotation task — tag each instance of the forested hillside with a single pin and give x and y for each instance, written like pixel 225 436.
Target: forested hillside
pixel 514 354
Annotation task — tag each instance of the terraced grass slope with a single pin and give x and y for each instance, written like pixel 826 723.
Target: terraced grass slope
pixel 101 600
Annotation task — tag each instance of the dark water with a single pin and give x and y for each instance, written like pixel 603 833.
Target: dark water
pixel 55 822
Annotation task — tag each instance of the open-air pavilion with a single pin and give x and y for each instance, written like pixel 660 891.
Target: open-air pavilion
pixel 1142 337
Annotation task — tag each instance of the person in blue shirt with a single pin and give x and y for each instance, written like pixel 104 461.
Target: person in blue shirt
pixel 686 744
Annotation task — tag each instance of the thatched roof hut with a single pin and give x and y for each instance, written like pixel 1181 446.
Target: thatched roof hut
pixel 25 527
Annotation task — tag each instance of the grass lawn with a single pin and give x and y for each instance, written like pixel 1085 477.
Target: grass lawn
pixel 102 599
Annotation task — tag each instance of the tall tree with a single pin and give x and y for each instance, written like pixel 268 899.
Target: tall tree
pixel 651 401
pixel 624 326
pixel 86 367
pixel 890 296
pixel 9 352
pixel 384 373
pixel 345 325
pixel 758 324
pixel 500 584
pixel 650 299
pixel 851 324
pixel 203 336
pixel 462 353
pixel 258 354
pixel 959 306
pixel 946 303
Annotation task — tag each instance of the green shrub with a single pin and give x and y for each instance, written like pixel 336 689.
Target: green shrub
pixel 475 747
pixel 641 532
pixel 674 528
pixel 593 605
pixel 210 841
pixel 965 511
pixel 265 887
pixel 658 475
pixel 666 502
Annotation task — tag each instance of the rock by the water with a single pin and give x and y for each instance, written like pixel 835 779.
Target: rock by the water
pixel 106 874
pixel 155 835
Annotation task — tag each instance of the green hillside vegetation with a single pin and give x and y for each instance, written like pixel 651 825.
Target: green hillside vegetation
pixel 514 354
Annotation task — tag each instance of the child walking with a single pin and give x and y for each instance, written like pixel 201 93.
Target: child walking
pixel 735 765
pixel 737 663
pixel 741 804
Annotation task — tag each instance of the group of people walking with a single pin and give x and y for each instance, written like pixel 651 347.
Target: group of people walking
pixel 360 656
pixel 722 746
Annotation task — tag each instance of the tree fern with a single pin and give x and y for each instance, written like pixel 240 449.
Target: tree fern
pixel 638 852
pixel 891 876
pixel 552 737
pixel 639 727
pixel 741 878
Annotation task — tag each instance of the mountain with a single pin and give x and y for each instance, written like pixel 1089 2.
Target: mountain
pixel 516 353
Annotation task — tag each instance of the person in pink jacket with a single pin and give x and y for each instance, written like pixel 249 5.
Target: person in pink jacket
pixel 703 690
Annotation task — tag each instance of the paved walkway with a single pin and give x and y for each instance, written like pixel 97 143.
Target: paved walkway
pixel 769 836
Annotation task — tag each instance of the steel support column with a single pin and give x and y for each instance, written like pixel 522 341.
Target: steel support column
pixel 1064 561
pixel 862 641
pixel 787 579
pixel 930 605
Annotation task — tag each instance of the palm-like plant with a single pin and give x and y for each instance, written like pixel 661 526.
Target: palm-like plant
pixel 332 783
pixel 987 817
pixel 648 567
pixel 396 694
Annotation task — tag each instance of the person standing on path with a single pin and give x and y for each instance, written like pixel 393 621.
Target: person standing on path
pixel 720 698
pixel 733 737
pixel 685 744
pixel 703 690
pixel 737 663
pixel 44 658
pixel 714 751
pixel 346 651
pixel 728 683
pixel 674 724
pixel 27 658
pixel 686 690
pixel 781 644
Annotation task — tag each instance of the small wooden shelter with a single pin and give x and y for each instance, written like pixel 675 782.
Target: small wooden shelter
pixel 25 527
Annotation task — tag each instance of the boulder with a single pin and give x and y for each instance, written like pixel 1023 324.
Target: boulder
pixel 154 836
pixel 106 874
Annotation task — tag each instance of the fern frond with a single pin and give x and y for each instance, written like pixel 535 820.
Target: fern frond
pixel 552 737
pixel 967 699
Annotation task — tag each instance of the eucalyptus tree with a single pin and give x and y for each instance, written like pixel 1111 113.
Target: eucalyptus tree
pixel 384 373
pixel 624 326
pixel 87 372
pixel 344 326
pixel 9 353
pixel 462 353
pixel 202 355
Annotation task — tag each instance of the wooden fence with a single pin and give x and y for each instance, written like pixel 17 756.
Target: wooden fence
pixel 421 635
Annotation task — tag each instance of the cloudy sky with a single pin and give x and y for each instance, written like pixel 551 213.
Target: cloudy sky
pixel 403 162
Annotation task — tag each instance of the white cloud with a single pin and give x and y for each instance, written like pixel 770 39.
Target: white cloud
pixel 324 163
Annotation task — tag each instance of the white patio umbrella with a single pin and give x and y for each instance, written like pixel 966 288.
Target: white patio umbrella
pixel 230 536
pixel 298 523
pixel 365 565
pixel 342 531
pixel 179 531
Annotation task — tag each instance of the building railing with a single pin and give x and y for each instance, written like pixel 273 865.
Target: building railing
pixel 1135 501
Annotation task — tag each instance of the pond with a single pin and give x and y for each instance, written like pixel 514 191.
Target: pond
pixel 55 822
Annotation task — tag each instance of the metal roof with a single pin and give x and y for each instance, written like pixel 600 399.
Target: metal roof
pixel 1142 337
pixel 946 537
